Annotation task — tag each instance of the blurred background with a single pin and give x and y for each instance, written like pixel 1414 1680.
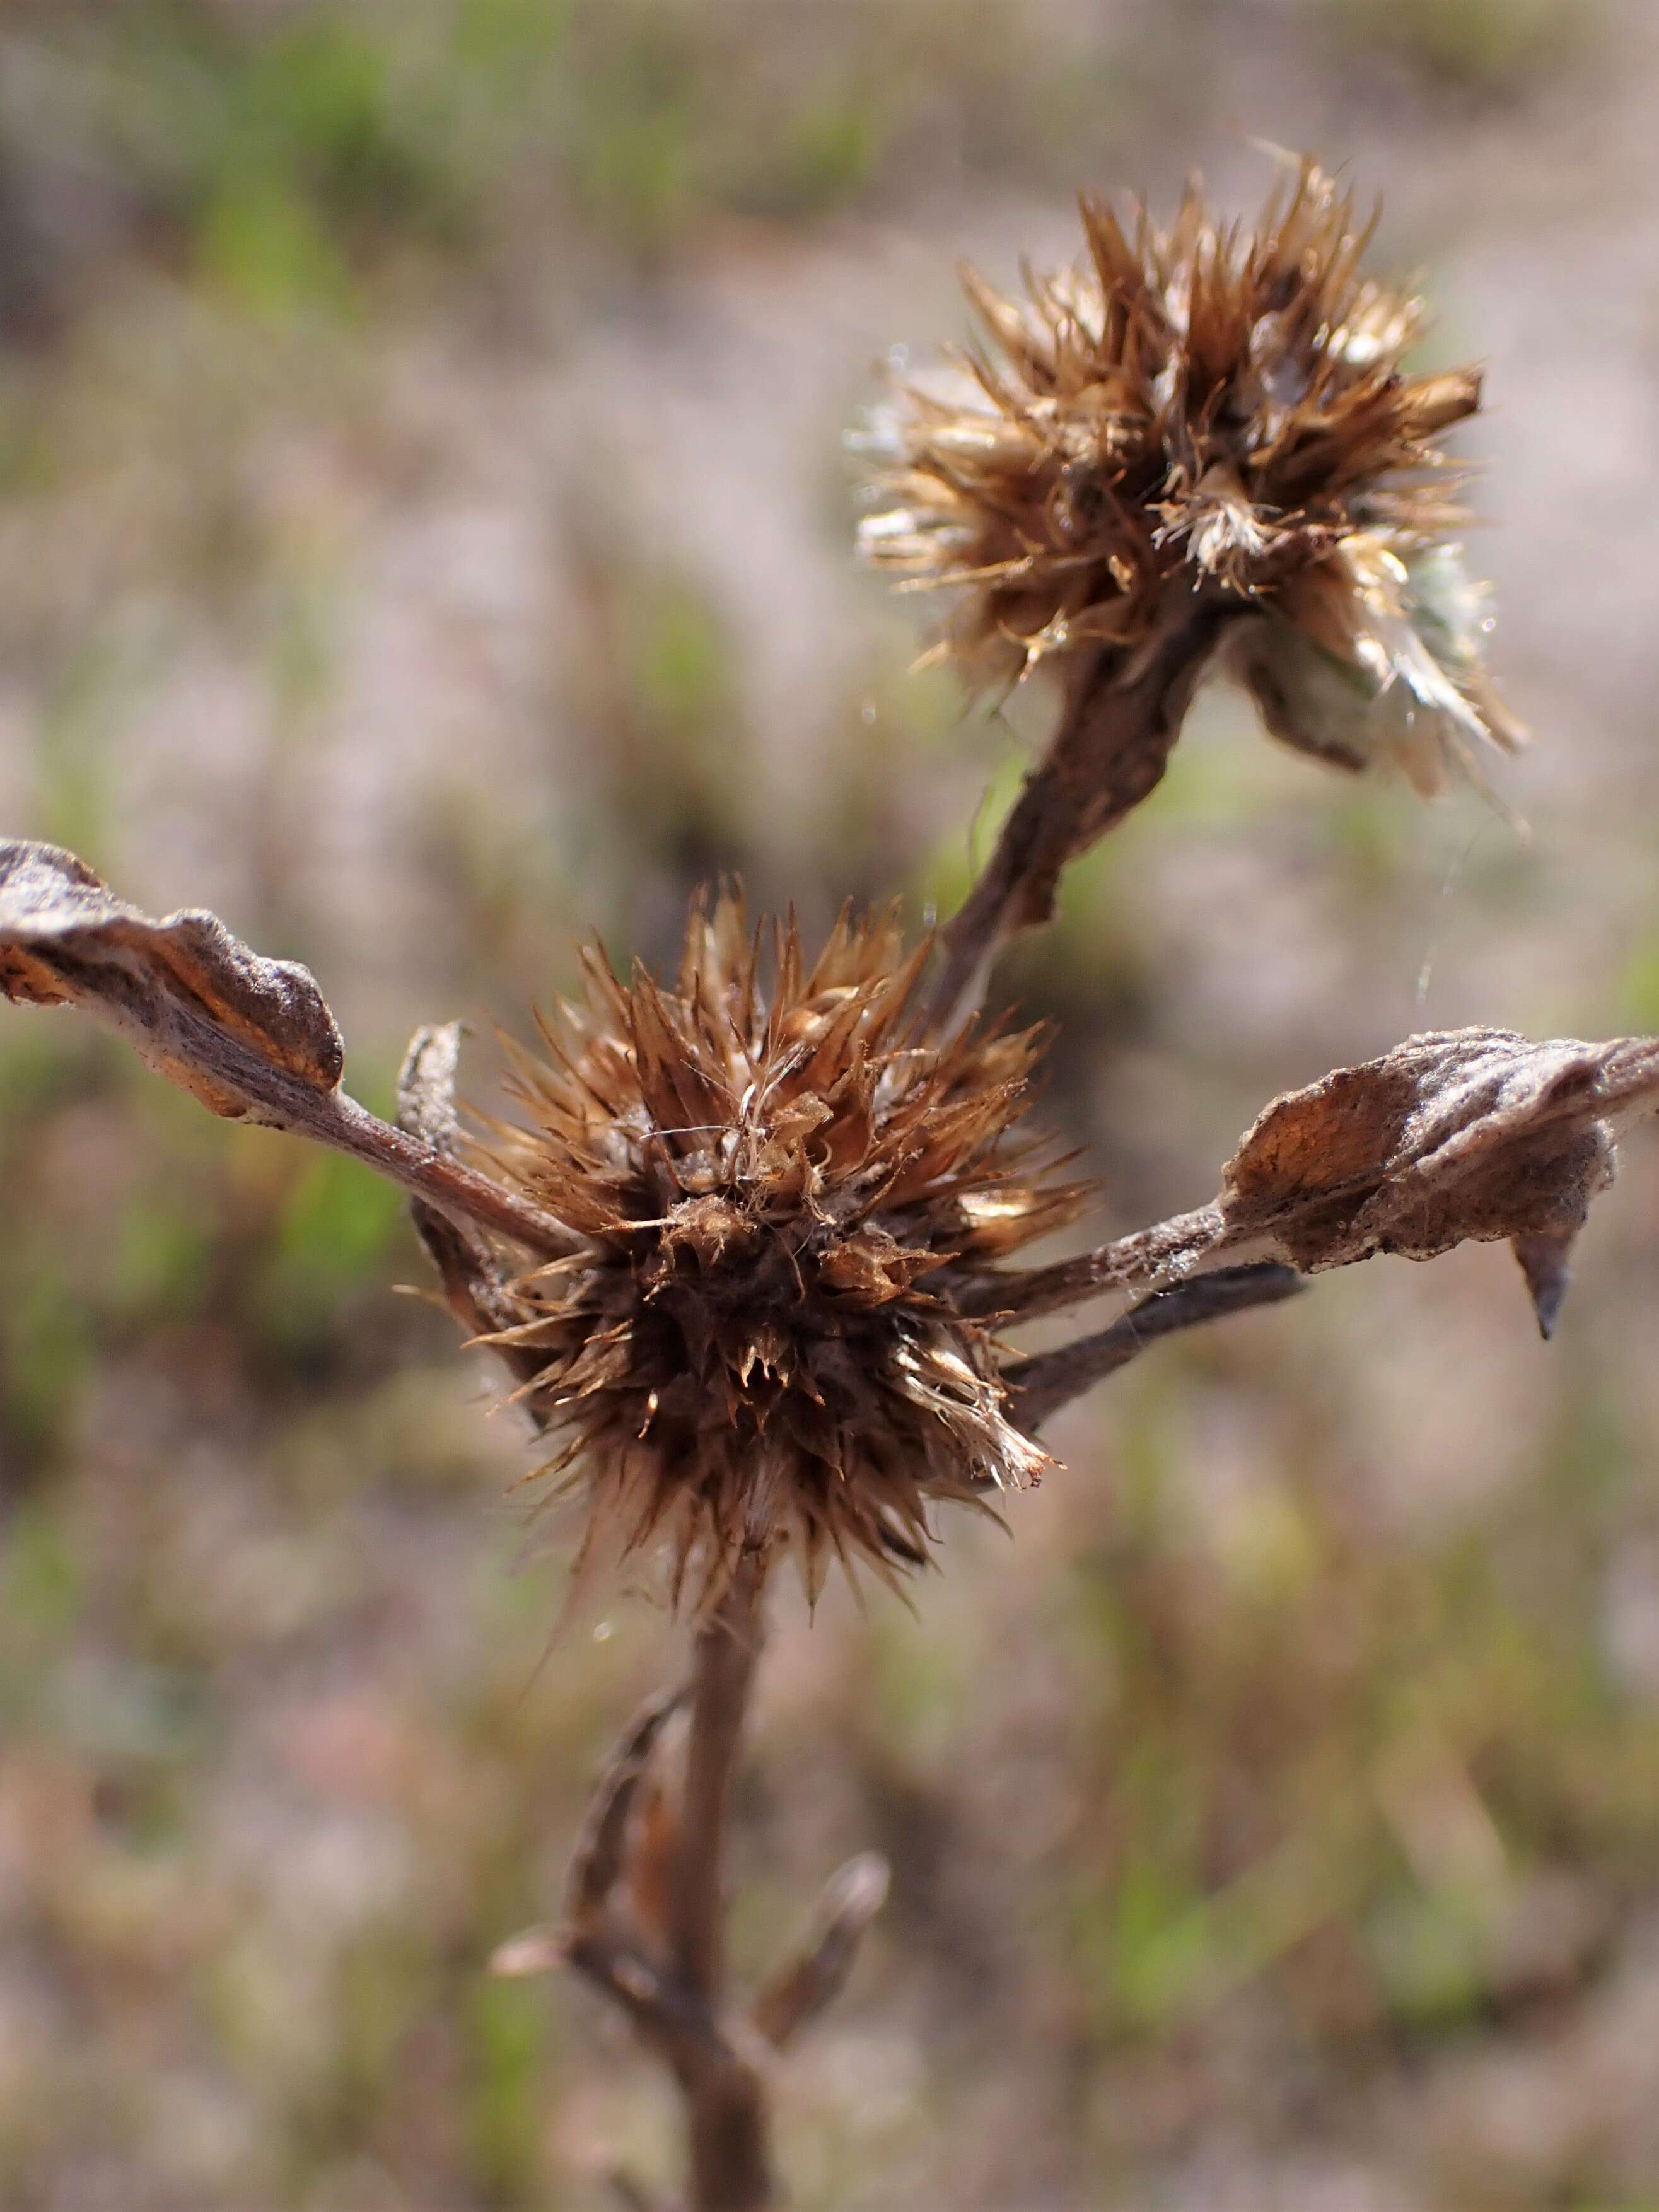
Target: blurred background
pixel 424 535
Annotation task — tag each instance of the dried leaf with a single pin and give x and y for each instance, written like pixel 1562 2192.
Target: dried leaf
pixel 536 1950
pixel 811 1981
pixel 1457 1135
pixel 1461 1134
pixel 252 1038
pixel 654 1860
pixel 1546 1263
pixel 602 1856
pixel 425 1087
pixel 599 1860
pixel 193 1000
pixel 475 1281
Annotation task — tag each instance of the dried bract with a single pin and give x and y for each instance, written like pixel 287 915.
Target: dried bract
pixel 790 1198
pixel 1205 418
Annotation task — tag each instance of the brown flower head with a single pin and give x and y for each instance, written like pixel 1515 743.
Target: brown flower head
pixel 793 1208
pixel 1206 416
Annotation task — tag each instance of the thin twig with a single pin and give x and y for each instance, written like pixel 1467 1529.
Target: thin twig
pixel 453 1189
pixel 1168 1248
pixel 669 2016
pixel 1049 1380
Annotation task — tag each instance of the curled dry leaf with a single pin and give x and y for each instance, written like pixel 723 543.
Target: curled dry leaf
pixel 811 1980
pixel 1458 1135
pixel 599 1860
pixel 476 1283
pixel 425 1087
pixel 1461 1134
pixel 601 1857
pixel 193 1000
pixel 252 1038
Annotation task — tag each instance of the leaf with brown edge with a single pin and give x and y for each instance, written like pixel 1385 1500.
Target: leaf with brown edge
pixel 193 999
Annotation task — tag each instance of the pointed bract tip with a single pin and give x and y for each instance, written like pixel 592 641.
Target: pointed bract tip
pixel 1545 1263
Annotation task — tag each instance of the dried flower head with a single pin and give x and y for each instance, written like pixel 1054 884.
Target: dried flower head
pixel 1206 416
pixel 795 1209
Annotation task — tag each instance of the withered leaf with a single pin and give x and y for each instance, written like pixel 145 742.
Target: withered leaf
pixel 1454 1136
pixel 426 1086
pixel 806 1984
pixel 1457 1135
pixel 252 1038
pixel 469 1264
pixel 193 999
pixel 599 1860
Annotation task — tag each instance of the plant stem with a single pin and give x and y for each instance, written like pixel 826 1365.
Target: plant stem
pixel 727 2104
pixel 1049 1380
pixel 1117 729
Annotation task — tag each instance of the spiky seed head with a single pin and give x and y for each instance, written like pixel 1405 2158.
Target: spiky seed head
pixel 797 1208
pixel 1212 407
